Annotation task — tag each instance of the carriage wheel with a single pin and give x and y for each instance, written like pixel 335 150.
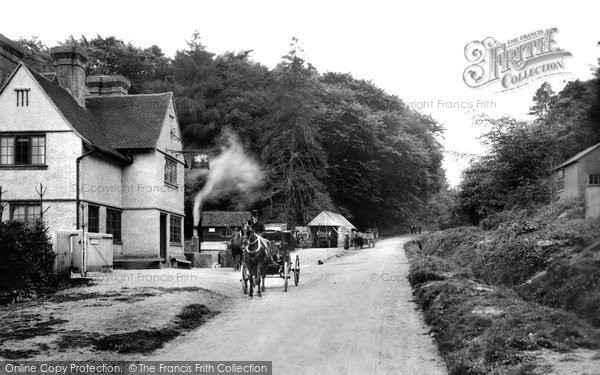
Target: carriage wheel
pixel 297 270
pixel 286 274
pixel 245 278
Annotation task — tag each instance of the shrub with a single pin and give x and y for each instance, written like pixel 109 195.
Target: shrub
pixel 26 256
pixel 445 243
pixel 427 268
pixel 511 261
pixel 571 284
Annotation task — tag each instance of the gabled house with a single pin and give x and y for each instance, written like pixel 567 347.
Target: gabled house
pixel 579 177
pixel 111 162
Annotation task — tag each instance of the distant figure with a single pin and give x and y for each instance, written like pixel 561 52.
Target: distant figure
pixel 419 227
pixel 346 241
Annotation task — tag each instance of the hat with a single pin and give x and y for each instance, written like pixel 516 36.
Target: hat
pixel 255 213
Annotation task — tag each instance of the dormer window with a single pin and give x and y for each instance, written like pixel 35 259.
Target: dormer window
pixel 22 97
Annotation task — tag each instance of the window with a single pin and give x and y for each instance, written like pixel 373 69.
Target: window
pixel 7 150
pixel 22 97
pixel 113 224
pixel 226 232
pixel 175 230
pixel 170 172
pixel 93 219
pixel 560 180
pixel 594 179
pixel 20 149
pixel 26 212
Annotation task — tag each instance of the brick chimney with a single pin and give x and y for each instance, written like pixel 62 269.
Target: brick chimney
pixel 70 70
pixel 10 56
pixel 114 85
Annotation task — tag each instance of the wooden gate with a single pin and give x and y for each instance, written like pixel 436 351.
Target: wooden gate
pixel 98 251
pixel 63 250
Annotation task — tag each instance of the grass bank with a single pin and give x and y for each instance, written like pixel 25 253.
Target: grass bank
pixel 525 282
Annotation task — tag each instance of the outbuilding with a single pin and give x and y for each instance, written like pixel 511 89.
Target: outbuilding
pixel 328 229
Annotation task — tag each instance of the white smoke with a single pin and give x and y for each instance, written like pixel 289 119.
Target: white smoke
pixel 231 171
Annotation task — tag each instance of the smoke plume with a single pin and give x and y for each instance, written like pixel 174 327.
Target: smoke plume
pixel 232 171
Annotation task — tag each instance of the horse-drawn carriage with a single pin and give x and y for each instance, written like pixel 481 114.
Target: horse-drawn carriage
pixel 276 260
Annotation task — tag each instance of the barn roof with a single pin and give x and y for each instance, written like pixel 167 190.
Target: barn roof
pixel 224 218
pixel 578 156
pixel 328 218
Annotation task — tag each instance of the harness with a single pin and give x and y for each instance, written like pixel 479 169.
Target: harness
pixel 247 246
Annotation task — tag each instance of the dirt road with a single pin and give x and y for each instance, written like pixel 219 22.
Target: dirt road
pixel 351 315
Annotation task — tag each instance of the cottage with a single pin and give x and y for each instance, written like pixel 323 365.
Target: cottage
pixel 216 226
pixel 329 229
pixel 110 162
pixel 579 177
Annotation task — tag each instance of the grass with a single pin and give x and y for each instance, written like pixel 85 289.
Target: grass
pixel 17 354
pixel 549 255
pixel 33 327
pixel 483 329
pixel 140 341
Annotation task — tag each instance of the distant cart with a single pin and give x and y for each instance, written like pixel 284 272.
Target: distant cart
pixel 367 238
pixel 283 243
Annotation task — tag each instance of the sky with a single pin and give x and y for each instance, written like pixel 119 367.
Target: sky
pixel 414 50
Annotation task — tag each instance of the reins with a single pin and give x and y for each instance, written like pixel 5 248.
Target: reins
pixel 247 247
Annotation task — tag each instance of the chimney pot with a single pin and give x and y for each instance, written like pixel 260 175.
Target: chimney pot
pixel 114 85
pixel 70 70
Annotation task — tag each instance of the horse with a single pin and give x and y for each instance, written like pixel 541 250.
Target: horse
pixel 359 240
pixel 236 250
pixel 256 253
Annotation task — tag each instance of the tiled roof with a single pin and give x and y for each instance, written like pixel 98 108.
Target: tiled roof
pixel 13 47
pixel 224 218
pixel 131 121
pixel 328 218
pixel 113 124
pixel 84 121
pixel 578 156
pixel 51 76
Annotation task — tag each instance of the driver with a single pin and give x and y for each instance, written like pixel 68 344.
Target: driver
pixel 257 226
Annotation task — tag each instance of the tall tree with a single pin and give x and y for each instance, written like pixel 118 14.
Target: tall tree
pixel 292 148
pixel 542 101
pixel 37 54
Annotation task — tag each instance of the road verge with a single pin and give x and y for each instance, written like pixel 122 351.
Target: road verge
pixel 483 329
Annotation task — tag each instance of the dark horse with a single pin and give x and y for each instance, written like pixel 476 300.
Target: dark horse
pixel 236 250
pixel 256 252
